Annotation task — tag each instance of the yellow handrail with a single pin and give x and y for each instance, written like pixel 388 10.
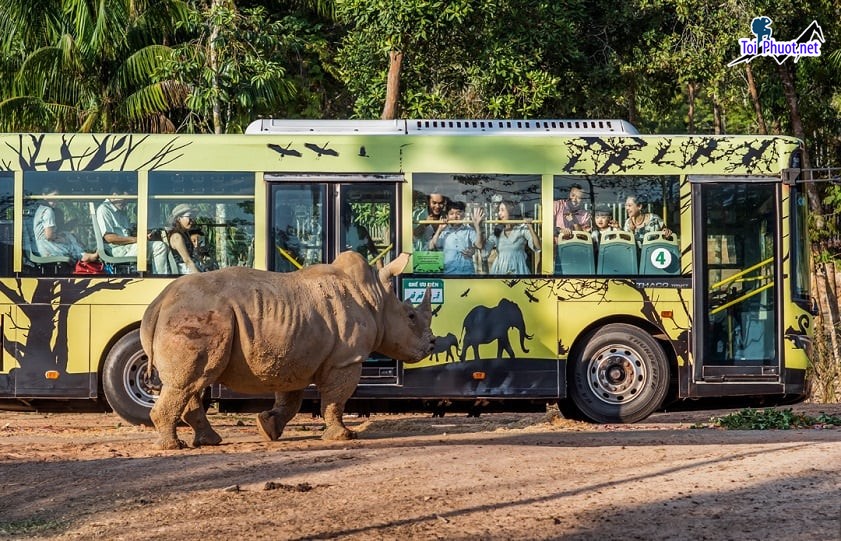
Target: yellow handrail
pixel 744 297
pixel 288 257
pixel 742 273
pixel 381 254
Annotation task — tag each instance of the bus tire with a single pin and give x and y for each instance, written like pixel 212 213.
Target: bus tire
pixel 620 376
pixel 129 390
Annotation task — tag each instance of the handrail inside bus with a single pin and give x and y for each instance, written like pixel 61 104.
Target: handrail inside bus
pixel 741 273
pixel 743 298
pixel 382 253
pixel 288 257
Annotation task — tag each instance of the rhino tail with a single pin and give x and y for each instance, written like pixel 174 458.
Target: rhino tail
pixel 147 331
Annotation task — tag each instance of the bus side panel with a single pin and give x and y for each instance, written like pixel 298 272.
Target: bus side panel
pixel 495 338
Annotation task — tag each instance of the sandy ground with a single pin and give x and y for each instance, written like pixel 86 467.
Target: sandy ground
pixel 500 476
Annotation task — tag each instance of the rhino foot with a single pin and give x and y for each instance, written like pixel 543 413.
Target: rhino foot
pixel 209 438
pixel 171 444
pixel 338 433
pixel 267 426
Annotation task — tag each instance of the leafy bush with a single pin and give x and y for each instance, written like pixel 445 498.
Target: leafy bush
pixel 772 419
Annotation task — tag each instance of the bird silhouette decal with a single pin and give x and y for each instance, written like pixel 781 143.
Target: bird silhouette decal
pixel 285 151
pixel 321 151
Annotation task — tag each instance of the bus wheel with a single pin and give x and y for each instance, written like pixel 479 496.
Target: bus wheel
pixel 128 388
pixel 621 375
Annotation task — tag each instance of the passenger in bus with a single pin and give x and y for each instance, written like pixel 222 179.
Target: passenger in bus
pixel 357 238
pixel 181 222
pixel 436 208
pixel 509 240
pixel 120 236
pixel 288 257
pixel 459 241
pixel 604 222
pixel 570 214
pixel 51 242
pixel 640 222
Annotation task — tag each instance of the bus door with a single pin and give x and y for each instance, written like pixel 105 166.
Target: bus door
pixel 737 283
pixel 315 217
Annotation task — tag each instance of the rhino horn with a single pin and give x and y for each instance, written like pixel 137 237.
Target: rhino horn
pixel 394 268
pixel 426 303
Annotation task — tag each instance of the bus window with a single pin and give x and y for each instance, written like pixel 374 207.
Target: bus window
pixel 60 218
pixel 616 225
pixel 297 226
pixel 507 239
pixel 212 214
pixel 366 219
pixel 6 223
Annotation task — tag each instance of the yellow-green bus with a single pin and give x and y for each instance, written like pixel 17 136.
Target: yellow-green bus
pixel 581 262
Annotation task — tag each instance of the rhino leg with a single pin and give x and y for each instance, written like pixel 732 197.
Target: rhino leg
pixel 165 414
pixel 337 387
pixel 286 406
pixel 196 417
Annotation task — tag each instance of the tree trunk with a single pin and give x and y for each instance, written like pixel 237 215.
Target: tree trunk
pixel 754 96
pixel 392 89
pixel 214 68
pixel 690 87
pixel 718 127
pixel 828 306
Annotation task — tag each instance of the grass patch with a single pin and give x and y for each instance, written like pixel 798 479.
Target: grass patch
pixel 770 419
pixel 30 526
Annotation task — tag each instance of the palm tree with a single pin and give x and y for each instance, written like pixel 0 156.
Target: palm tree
pixel 88 65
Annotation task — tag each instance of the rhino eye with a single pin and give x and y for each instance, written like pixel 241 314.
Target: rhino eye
pixel 411 315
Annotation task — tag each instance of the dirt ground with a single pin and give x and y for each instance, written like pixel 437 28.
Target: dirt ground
pixel 499 476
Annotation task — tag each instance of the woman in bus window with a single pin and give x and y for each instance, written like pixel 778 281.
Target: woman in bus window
pixel 510 240
pixel 182 223
pixel 48 240
pixel 640 222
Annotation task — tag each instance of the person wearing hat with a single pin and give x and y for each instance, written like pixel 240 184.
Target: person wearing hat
pixel 182 223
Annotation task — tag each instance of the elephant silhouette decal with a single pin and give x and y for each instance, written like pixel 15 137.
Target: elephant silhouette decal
pixel 445 344
pixel 483 325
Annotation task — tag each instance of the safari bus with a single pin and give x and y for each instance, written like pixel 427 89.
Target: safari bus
pixel 569 261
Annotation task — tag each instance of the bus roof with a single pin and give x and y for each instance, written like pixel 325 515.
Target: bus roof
pixel 271 126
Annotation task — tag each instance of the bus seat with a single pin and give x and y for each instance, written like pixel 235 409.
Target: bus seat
pixel 575 255
pixel 655 261
pixel 617 253
pixel 104 254
pixel 31 253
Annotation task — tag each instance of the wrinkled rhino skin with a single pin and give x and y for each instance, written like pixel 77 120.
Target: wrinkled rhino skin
pixel 257 331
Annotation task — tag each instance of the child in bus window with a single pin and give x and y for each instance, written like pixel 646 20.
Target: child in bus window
pixel 604 222
pixel 510 239
pixel 459 241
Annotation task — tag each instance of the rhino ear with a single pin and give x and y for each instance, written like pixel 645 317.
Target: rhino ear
pixel 394 268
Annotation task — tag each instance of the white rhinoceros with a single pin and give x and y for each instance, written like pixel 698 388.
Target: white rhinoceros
pixel 257 331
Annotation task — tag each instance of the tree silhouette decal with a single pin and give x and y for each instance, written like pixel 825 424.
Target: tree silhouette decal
pixel 42 322
pixel 37 310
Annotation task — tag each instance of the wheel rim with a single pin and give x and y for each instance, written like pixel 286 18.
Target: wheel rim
pixel 141 388
pixel 616 374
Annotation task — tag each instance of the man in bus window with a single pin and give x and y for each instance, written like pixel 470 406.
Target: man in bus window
pixel 435 210
pixel 570 214
pixel 49 241
pixel 120 236
pixel 458 240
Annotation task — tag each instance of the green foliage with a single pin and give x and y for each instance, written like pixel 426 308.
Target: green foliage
pixel 75 67
pixel 232 67
pixel 772 419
